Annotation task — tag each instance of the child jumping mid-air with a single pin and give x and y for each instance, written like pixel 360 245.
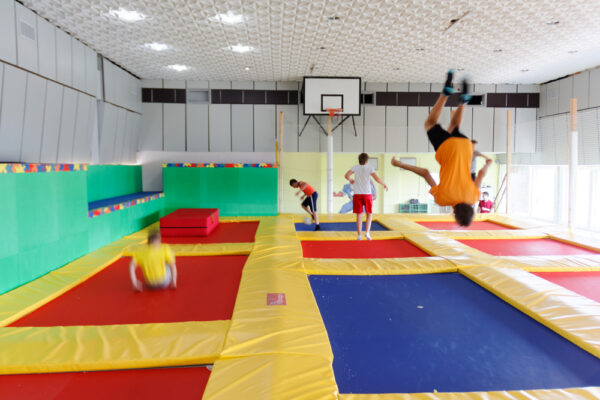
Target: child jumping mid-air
pixel 157 263
pixel 454 152
pixel 362 192
pixel 309 199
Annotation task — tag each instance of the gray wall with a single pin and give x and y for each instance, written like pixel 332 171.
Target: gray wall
pixel 252 128
pixel 51 92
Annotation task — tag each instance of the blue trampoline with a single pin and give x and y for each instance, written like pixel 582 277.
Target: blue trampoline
pixel 338 226
pixel 440 332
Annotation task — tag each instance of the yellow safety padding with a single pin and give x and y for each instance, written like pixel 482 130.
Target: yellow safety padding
pixel 588 393
pixel 588 241
pixel 499 234
pixel 440 245
pixel 242 218
pixel 89 348
pixel 273 377
pixel 208 249
pixel 323 217
pixel 349 235
pixel 30 296
pixel 437 217
pixel 583 262
pixel 516 222
pixel 569 314
pixel 257 328
pixel 398 223
pixel 378 266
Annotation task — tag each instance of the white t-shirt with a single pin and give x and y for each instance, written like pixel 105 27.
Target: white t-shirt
pixel 362 178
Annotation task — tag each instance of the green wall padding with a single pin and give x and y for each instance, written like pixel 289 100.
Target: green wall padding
pixel 234 191
pixel 106 181
pixel 45 224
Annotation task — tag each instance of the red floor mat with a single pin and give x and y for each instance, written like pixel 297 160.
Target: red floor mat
pixel 525 247
pixel 585 283
pixel 453 226
pixel 226 232
pixel 185 383
pixel 206 291
pixel 360 249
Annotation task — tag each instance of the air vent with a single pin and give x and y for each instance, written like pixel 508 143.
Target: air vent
pixel 197 96
pixel 27 30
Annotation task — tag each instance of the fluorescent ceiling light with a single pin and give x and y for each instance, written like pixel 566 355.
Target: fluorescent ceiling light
pixel 157 46
pixel 229 18
pixel 126 15
pixel 178 67
pixel 247 68
pixel 240 48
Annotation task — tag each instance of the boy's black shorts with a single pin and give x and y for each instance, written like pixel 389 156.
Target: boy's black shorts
pixel 437 135
pixel 311 201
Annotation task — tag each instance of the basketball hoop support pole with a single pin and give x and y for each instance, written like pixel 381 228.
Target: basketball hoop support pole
pixel 329 165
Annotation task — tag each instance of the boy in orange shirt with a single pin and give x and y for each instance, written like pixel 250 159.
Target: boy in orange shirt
pixel 454 152
pixel 309 199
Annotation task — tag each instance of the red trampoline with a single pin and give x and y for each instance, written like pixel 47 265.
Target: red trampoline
pixel 585 283
pixel 394 248
pixel 453 226
pixel 525 247
pixel 184 383
pixel 225 232
pixel 206 291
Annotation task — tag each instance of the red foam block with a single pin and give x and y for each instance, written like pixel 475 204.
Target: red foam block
pixel 185 383
pixel 394 248
pixel 525 247
pixel 206 291
pixel 191 217
pixel 453 226
pixel 585 283
pixel 225 232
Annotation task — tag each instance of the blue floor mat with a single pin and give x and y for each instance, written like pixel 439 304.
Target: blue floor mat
pixel 338 226
pixel 420 333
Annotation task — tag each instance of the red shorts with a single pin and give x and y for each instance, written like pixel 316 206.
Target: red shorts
pixel 362 200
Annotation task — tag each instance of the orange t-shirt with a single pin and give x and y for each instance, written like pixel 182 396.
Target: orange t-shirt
pixel 306 188
pixel 456 185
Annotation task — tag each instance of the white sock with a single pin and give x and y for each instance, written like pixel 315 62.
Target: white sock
pixel 359 237
pixel 368 236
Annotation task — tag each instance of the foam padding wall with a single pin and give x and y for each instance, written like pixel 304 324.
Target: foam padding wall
pixel 106 181
pixel 234 191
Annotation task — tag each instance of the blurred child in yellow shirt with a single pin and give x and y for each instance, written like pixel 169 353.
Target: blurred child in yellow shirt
pixel 157 262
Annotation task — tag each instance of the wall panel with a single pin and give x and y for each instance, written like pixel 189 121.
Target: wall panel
pixel 82 145
pixel 565 93
pixel 27 46
pixel 525 130
pixel 417 137
pixel 121 135
pixel 219 127
pixel 353 140
pixel 483 128
pixel 242 127
pixel 500 119
pixel 152 127
pixel 64 67
pixel 107 136
pixel 290 126
pixel 91 71
pixel 34 119
pixel 46 48
pixel 264 128
pixel 174 127
pixel 197 127
pixel 51 131
pixel 374 129
pixel 8 43
pixel 309 141
pixel 581 89
pixel 594 88
pixel 552 93
pixel 67 126
pixel 396 129
pixel 78 57
pixel 11 113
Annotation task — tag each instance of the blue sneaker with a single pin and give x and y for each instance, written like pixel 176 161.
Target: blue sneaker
pixel 465 97
pixel 448 89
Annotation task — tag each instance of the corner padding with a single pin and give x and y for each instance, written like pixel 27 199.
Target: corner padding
pixel 378 266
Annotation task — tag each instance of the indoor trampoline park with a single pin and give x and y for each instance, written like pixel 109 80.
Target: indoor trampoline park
pixel 299 200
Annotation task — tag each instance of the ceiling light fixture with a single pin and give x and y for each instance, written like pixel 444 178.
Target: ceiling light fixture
pixel 334 18
pixel 240 48
pixel 157 46
pixel 573 51
pixel 524 70
pixel 247 68
pixel 322 48
pixel 126 15
pixel 553 22
pixel 178 67
pixel 419 49
pixel 497 50
pixel 229 18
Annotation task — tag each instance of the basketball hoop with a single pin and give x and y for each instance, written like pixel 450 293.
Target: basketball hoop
pixel 334 112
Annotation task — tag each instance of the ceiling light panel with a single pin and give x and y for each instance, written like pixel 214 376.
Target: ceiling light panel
pixel 369 40
pixel 126 15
